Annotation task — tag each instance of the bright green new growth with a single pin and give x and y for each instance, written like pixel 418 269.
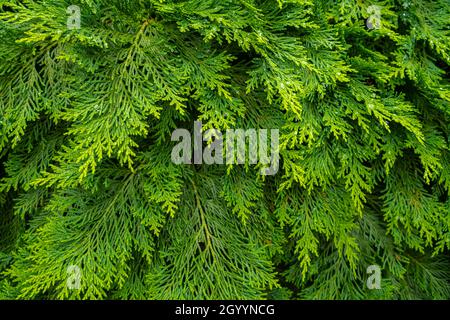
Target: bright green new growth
pixel 86 177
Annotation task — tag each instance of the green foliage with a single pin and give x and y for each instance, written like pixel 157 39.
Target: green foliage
pixel 86 177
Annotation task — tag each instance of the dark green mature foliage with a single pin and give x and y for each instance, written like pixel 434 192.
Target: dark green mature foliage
pixel 86 177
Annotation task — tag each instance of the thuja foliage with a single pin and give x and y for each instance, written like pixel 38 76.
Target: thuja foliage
pixel 87 180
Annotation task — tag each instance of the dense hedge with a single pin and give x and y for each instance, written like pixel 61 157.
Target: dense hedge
pixel 92 205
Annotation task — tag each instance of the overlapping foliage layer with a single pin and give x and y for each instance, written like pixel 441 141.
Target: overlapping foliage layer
pixel 86 177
